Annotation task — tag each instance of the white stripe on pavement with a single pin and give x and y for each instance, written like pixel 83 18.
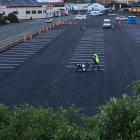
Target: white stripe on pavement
pixel 7 67
pixel 14 55
pixel 9 64
pixel 12 58
pixel 13 61
pixel 24 53
pixel 76 62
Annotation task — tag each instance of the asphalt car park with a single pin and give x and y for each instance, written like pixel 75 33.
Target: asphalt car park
pixel 48 78
pixel 17 55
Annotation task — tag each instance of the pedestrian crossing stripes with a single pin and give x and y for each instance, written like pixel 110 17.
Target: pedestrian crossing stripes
pixel 92 41
pixel 17 55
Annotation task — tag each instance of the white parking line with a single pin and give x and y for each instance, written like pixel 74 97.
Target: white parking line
pixel 101 69
pixel 83 56
pixel 99 43
pixel 10 67
pixel 78 49
pixel 91 41
pixel 12 58
pixel 9 64
pixel 87 51
pixel 28 47
pixel 73 66
pixel 93 44
pixel 18 53
pixel 14 55
pixel 84 60
pixel 93 48
pixel 9 61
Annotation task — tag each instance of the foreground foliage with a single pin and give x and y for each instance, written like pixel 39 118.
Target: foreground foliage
pixel 118 119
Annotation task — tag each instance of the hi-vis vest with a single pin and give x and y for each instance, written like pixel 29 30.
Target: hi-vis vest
pixel 96 58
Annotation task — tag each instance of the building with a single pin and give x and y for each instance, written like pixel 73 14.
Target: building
pixel 125 1
pixel 27 9
pixel 56 9
pixel 104 2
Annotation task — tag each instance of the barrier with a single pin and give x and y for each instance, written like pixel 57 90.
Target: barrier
pixel 46 29
pixel 29 36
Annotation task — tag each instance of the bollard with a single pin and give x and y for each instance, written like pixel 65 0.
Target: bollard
pixel 46 29
pixel 24 38
pixel 39 32
pixel 30 36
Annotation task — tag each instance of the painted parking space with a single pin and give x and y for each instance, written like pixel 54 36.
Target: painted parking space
pixel 17 55
pixel 92 41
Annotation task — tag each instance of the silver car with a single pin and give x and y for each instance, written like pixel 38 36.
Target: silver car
pixel 48 20
pixel 107 23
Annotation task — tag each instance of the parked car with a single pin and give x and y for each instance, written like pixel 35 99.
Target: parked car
pixel 112 14
pixel 96 13
pixel 80 17
pixel 107 23
pixel 121 18
pixel 48 20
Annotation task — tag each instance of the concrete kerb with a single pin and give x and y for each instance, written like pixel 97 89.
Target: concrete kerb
pixel 29 36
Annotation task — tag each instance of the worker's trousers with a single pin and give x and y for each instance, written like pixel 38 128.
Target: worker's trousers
pixel 95 63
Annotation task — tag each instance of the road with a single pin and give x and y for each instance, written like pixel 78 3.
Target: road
pixel 12 31
pixel 41 71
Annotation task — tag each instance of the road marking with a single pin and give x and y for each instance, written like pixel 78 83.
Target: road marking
pixel 18 53
pixel 90 47
pixel 14 55
pixel 9 64
pixel 79 49
pixel 9 61
pixel 7 67
pixel 90 68
pixel 86 51
pixel 82 56
pixel 28 47
pixel 82 61
pixel 12 58
pixel 21 51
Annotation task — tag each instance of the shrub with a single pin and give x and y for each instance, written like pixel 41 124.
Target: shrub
pixel 119 119
pixel 12 18
pixel 3 20
pixel 135 86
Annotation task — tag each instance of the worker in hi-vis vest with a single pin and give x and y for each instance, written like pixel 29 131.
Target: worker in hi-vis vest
pixel 96 61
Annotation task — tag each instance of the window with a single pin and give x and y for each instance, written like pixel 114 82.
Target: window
pixel 39 11
pixel 27 12
pixel 34 12
pixel 44 11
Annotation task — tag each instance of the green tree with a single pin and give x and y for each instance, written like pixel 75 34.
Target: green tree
pixel 12 18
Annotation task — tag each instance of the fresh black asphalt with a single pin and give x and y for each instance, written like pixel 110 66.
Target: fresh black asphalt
pixel 44 79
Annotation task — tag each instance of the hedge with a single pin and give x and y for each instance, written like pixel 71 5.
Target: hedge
pixel 118 119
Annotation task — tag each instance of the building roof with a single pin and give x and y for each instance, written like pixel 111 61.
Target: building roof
pixel 52 3
pixel 16 3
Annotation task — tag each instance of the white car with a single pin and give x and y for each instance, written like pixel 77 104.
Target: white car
pixel 121 18
pixel 96 13
pixel 112 14
pixel 81 17
pixel 107 23
pixel 48 20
